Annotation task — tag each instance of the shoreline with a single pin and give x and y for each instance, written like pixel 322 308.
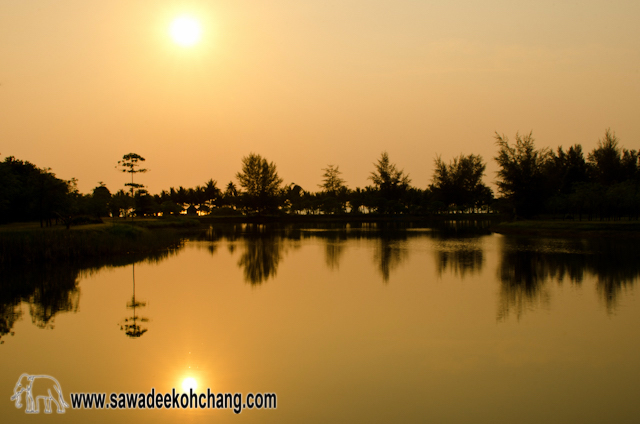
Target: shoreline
pixel 28 243
pixel 572 229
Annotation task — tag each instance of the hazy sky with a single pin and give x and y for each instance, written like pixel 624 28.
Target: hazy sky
pixel 308 83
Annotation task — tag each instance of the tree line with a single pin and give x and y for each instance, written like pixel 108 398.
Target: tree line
pixel 260 191
pixel 604 184
pixel 531 182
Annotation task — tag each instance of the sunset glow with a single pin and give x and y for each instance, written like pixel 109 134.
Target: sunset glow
pixel 195 86
pixel 376 211
pixel 189 383
pixel 185 31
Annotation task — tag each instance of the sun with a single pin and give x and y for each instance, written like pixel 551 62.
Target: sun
pixel 189 383
pixel 185 31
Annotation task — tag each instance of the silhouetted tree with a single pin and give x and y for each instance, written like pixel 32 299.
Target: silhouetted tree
pixel 28 193
pixel 120 203
pixel 145 204
pixel 331 182
pixel 55 198
pixel 211 193
pixel 390 183
pixel 169 207
pixel 10 186
pixel 334 195
pixel 564 171
pixel 130 163
pixel 182 196
pixel 99 202
pixel 604 186
pixel 521 178
pixel 261 183
pixel 356 200
pixel 459 184
pixel 294 198
pixel 609 164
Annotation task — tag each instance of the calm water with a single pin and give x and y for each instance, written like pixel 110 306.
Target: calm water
pixel 344 325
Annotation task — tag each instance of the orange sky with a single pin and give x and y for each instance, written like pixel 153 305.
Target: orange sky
pixel 307 84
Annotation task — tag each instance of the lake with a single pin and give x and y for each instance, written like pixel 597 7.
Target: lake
pixel 369 323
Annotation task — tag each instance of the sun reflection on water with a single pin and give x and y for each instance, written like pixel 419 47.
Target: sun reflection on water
pixel 189 383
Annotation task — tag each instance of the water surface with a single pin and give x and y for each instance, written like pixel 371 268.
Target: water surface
pixel 369 324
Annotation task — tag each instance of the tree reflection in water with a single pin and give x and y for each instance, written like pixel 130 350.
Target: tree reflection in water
pixel 133 325
pixel 461 257
pixel 50 289
pixel 389 254
pixel 522 277
pixel 263 247
pixel 527 265
pixel 334 249
pixel 617 268
pixel 47 290
pixel 261 256
pixel 459 246
pixel 9 314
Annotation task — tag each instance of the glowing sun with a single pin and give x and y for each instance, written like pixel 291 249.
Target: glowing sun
pixel 185 31
pixel 189 383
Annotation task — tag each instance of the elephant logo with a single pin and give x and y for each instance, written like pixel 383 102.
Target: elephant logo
pixel 38 387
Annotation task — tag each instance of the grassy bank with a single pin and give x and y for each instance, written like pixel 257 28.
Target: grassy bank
pixel 83 244
pixel 570 228
pixel 25 243
pixel 177 222
pixel 346 218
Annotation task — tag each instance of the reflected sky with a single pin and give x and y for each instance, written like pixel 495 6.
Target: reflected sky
pixel 345 324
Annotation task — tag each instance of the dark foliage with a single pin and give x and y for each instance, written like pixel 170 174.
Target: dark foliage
pixel 605 185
